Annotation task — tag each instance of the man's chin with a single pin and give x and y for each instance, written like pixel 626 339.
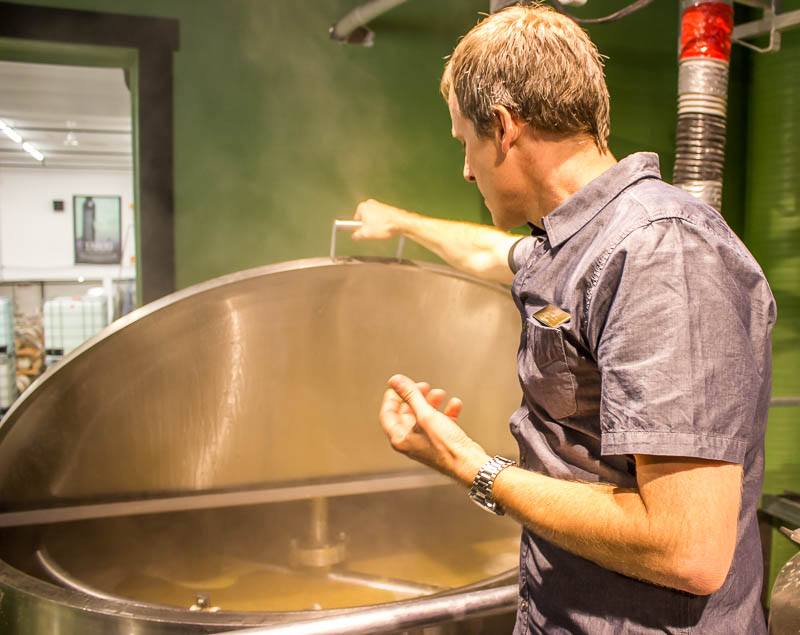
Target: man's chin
pixel 495 220
pixel 499 220
pixel 505 222
pixel 499 223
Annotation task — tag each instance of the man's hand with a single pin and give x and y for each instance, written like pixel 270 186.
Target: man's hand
pixel 478 250
pixel 381 221
pixel 415 427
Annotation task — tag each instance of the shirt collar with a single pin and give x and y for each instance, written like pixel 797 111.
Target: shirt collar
pixel 566 219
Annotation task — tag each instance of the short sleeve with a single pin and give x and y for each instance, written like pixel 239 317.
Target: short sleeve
pixel 520 252
pixel 682 344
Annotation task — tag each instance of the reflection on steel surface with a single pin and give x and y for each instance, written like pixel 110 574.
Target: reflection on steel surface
pixel 62 577
pixel 265 376
pixel 784 617
pixel 392 585
pixel 281 493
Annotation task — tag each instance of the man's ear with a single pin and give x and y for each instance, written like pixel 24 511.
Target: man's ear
pixel 508 128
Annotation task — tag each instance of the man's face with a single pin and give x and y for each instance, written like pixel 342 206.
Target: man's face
pixel 485 166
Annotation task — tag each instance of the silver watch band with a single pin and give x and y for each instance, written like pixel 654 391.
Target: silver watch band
pixel 481 490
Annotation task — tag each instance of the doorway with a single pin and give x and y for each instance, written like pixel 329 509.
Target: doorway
pixel 86 178
pixel 67 231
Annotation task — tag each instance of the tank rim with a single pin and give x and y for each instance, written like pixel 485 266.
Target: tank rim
pixel 43 591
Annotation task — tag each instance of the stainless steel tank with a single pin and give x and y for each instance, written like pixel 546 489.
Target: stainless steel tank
pixel 784 606
pixel 213 460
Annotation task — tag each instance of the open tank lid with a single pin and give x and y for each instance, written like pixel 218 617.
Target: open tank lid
pixel 262 377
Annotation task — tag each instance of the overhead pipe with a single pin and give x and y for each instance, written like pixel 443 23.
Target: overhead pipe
pixel 704 58
pixel 352 29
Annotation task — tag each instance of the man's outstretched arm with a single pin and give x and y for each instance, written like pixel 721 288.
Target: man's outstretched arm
pixel 677 528
pixel 478 250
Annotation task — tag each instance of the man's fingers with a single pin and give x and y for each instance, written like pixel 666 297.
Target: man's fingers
pixel 453 408
pixel 424 388
pixel 436 397
pixel 418 399
pixel 389 415
pixel 360 233
pixel 393 406
pixel 411 394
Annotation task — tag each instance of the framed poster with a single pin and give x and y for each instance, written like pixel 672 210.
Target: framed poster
pixel 98 229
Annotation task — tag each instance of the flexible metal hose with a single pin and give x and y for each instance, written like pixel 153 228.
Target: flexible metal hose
pixel 705 42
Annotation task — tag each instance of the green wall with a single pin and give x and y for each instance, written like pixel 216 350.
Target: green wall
pixel 278 130
pixel 773 234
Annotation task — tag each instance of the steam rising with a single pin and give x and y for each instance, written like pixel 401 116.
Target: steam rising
pixel 324 107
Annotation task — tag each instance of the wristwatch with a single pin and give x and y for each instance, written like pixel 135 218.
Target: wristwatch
pixel 481 491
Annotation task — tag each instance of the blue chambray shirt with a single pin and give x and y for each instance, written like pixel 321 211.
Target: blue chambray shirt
pixel 666 352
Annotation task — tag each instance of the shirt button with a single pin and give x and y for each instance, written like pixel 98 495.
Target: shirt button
pixel 523 606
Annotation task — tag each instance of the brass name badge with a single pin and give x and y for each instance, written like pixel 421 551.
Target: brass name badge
pixel 551 316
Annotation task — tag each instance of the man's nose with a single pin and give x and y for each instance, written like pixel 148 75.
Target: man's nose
pixel 468 175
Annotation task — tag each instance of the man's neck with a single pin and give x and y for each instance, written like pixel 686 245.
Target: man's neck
pixel 563 168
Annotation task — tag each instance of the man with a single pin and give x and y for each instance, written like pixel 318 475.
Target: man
pixel 644 360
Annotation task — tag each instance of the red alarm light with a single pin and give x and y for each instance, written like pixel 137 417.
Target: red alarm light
pixel 706 31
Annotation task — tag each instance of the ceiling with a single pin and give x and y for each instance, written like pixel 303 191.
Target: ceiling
pixel 78 117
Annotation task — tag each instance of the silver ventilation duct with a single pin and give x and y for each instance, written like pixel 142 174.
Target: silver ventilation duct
pixel 705 41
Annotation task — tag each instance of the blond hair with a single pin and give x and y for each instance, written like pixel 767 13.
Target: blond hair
pixel 537 63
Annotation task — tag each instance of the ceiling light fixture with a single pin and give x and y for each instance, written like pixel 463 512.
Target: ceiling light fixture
pixel 33 151
pixel 17 138
pixel 10 132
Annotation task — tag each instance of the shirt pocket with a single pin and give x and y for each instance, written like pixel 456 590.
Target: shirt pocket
pixel 547 378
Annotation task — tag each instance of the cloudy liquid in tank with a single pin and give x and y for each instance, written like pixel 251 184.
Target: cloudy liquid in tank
pixel 399 545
